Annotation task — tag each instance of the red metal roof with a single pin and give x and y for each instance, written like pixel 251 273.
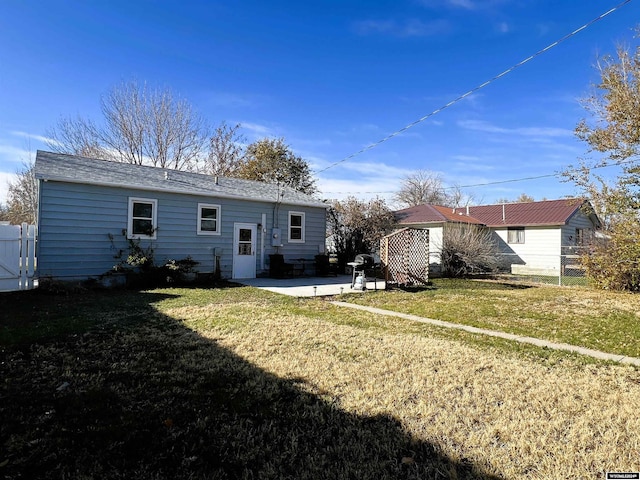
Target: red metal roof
pixel 431 214
pixel 548 212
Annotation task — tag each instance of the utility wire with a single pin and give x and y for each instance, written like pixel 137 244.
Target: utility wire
pixel 497 182
pixel 475 89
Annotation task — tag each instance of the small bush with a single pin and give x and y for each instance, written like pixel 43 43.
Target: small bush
pixel 139 264
pixel 613 263
pixel 468 250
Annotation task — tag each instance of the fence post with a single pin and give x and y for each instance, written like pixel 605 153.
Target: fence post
pixel 27 256
pixel 22 285
pixel 31 255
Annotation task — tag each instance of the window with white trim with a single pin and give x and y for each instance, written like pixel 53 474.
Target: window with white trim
pixel 515 235
pixel 296 227
pixel 208 219
pixel 142 218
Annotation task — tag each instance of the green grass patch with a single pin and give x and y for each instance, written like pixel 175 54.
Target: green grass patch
pixel 607 321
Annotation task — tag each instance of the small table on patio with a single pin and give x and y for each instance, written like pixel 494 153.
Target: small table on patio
pixel 299 266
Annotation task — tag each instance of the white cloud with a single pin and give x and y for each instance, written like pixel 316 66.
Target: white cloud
pixel 30 136
pixel 482 126
pixel 366 128
pixel 361 170
pixel 503 27
pixel 363 189
pixel 236 100
pixel 10 154
pixel 257 130
pixel 17 147
pixel 412 27
pixel 543 29
pixel 5 178
pixel 464 163
pixel 466 4
pixel 463 4
pixel 363 180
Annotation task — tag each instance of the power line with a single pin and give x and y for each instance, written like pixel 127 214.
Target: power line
pixel 498 182
pixel 475 89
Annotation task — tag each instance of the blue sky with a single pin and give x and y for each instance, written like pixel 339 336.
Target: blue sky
pixel 331 77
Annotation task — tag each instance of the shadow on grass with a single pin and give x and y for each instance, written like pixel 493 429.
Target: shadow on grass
pixel 131 393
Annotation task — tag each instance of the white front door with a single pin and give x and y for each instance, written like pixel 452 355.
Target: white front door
pixel 244 250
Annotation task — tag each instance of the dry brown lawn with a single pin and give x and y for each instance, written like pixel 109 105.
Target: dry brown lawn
pixel 515 417
pixel 238 383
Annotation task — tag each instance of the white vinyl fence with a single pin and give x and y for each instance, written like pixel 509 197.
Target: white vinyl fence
pixel 17 257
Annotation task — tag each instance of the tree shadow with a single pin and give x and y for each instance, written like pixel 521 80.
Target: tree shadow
pixel 149 398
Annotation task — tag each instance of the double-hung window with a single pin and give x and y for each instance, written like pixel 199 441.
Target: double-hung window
pixel 142 218
pixel 208 219
pixel 582 236
pixel 515 235
pixel 296 227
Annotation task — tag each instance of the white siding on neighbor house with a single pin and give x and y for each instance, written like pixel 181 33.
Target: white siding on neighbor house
pixel 435 248
pixel 75 221
pixel 540 250
pixel 435 244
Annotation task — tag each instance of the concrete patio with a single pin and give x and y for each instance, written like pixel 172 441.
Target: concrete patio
pixel 310 286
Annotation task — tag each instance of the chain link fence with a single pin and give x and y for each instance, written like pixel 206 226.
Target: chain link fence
pixel 563 269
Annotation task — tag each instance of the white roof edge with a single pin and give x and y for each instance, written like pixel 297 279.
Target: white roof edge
pixel 54 178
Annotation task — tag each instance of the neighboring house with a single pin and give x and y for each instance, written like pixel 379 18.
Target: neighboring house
pixel 227 223
pixel 531 236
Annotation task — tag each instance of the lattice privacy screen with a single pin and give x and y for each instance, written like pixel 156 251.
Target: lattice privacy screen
pixel 404 257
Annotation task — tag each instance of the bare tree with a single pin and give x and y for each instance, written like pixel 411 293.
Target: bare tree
pixel 425 187
pixel 141 126
pixel 22 197
pixel 419 188
pixel 226 152
pixel 77 136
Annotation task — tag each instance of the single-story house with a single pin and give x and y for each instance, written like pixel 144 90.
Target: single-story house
pixel 532 237
pixel 89 208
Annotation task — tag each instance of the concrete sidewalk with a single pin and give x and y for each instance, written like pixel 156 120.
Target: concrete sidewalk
pixel 508 336
pixel 326 286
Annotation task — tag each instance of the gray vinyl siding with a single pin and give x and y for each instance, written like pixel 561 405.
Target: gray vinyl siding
pixel 579 220
pixel 75 221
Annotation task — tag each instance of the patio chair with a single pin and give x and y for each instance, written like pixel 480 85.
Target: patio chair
pixel 278 268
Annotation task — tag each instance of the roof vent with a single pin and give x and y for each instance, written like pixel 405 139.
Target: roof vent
pixel 215 179
pixel 166 175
